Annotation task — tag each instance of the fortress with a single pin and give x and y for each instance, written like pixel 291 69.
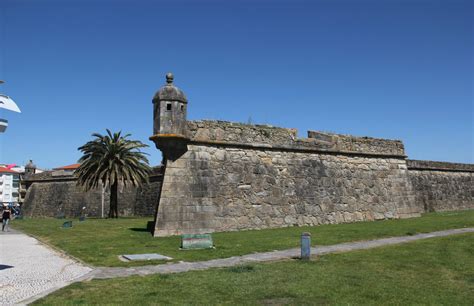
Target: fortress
pixel 223 176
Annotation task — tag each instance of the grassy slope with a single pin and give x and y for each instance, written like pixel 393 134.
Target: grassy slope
pixel 434 271
pixel 99 242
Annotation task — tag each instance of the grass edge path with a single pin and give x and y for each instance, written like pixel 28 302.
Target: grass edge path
pixel 129 236
pixel 114 272
pixel 119 272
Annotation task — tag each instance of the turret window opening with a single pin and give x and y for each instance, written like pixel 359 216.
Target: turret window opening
pixel 168 106
pixel 182 108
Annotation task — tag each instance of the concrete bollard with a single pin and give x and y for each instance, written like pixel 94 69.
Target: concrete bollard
pixel 305 246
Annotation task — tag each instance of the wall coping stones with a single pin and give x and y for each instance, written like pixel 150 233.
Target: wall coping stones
pixel 263 146
pixel 267 137
pixel 437 165
pixel 55 175
pixel 360 144
pixel 48 176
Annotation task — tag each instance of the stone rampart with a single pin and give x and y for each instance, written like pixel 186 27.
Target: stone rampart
pixel 236 176
pixel 225 176
pixel 55 193
pixel 349 143
pixel 439 166
pixel 231 134
pixel 442 186
pixel 238 133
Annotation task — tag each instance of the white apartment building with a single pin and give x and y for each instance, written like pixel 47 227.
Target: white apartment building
pixel 9 186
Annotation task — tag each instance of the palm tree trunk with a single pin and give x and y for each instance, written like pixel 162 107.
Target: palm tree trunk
pixel 113 211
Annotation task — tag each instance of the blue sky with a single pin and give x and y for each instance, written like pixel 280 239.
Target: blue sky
pixel 381 68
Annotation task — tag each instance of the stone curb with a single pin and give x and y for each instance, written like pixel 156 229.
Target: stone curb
pixel 87 276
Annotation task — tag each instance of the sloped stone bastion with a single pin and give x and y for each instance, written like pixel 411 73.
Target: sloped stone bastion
pixel 222 176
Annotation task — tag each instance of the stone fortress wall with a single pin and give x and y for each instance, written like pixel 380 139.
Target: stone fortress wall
pixel 235 176
pixel 55 193
pixel 441 186
pixel 223 176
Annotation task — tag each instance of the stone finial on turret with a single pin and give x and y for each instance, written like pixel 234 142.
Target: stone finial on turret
pixel 169 78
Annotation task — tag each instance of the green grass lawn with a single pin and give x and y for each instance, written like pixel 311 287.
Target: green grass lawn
pixel 99 241
pixel 437 271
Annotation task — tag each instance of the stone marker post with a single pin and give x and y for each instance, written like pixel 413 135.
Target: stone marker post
pixel 305 246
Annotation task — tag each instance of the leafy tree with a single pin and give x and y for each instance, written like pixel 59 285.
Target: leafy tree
pixel 109 160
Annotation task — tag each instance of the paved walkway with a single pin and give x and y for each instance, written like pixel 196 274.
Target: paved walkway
pixel 28 268
pixel 268 256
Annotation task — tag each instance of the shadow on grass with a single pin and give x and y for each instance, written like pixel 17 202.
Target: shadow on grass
pixel 139 229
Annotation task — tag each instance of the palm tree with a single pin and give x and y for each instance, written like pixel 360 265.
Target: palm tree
pixel 110 159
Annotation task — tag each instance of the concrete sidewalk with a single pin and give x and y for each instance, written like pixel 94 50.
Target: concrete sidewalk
pixel 105 272
pixel 30 269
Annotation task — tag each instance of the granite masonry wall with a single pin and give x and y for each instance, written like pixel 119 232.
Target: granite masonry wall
pixel 224 176
pixel 235 176
pixel 55 193
pixel 442 186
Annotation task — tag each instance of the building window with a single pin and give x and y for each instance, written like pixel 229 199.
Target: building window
pixel 168 106
pixel 182 108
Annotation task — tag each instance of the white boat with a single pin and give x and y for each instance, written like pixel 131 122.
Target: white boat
pixel 7 103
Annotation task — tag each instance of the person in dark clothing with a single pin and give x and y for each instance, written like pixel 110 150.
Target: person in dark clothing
pixel 6 214
pixel 17 210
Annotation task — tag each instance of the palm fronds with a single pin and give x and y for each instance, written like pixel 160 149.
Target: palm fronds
pixel 112 159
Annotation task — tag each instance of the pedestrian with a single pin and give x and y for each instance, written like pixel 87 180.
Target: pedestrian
pixel 18 210
pixel 6 214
